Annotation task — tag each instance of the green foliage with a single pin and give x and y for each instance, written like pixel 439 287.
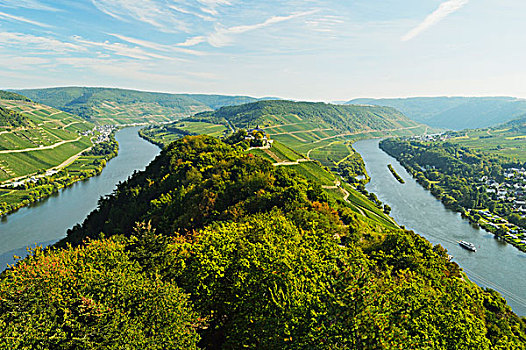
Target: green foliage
pixel 245 255
pixel 195 181
pixel 395 174
pixel 11 119
pixel 91 297
pixel 342 118
pixel 108 149
pixel 352 167
pixel 7 95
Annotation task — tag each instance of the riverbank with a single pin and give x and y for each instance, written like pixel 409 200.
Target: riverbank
pixel 36 187
pixel 46 221
pixel 496 265
pixel 473 184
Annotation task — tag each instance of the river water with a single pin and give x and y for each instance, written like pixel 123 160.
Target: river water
pixel 47 221
pixel 496 265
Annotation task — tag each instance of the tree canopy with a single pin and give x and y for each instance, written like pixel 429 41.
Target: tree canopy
pixel 212 248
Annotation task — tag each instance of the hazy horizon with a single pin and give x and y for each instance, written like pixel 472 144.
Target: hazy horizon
pixel 267 96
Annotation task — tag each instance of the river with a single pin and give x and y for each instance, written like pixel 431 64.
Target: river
pixel 496 265
pixel 47 221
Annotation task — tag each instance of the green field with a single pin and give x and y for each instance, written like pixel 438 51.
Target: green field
pixel 46 128
pixel 163 135
pixel 503 142
pixel 318 173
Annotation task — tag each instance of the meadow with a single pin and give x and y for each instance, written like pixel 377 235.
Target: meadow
pixel 500 142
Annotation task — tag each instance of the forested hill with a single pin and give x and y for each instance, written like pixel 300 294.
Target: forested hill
pixel 10 119
pixel 219 249
pixel 342 118
pixel 517 125
pixel 455 112
pixel 120 106
pixel 7 95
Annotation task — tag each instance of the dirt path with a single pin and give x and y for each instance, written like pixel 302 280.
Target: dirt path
pixel 279 126
pixel 65 126
pixel 40 148
pixel 71 159
pixel 302 160
pixel 300 131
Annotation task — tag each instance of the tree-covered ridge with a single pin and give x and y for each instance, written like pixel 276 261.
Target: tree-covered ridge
pixel 10 118
pixel 196 181
pixel 517 125
pixel 7 95
pixel 105 102
pixel 120 106
pixel 92 297
pixel 455 112
pixel 342 118
pixel 264 262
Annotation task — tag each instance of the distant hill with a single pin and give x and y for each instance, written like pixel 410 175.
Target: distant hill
pixel 321 115
pixel 7 95
pixel 517 125
pixel 119 106
pixel 455 112
pixel 218 101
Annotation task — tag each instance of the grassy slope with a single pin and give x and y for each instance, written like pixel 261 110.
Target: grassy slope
pixel 45 126
pixel 317 130
pixel 508 140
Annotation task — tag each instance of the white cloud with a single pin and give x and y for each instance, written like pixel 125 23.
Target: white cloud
pixel 169 16
pixel 29 4
pixel 223 36
pixel 156 46
pixel 445 9
pixel 148 11
pixel 22 19
pixel 38 43
pixel 212 5
pixel 125 50
pixel 193 41
pixel 204 17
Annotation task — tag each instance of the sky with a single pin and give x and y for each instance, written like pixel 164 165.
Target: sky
pixel 318 50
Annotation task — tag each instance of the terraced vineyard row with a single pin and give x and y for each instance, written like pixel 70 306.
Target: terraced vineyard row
pixel 43 149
